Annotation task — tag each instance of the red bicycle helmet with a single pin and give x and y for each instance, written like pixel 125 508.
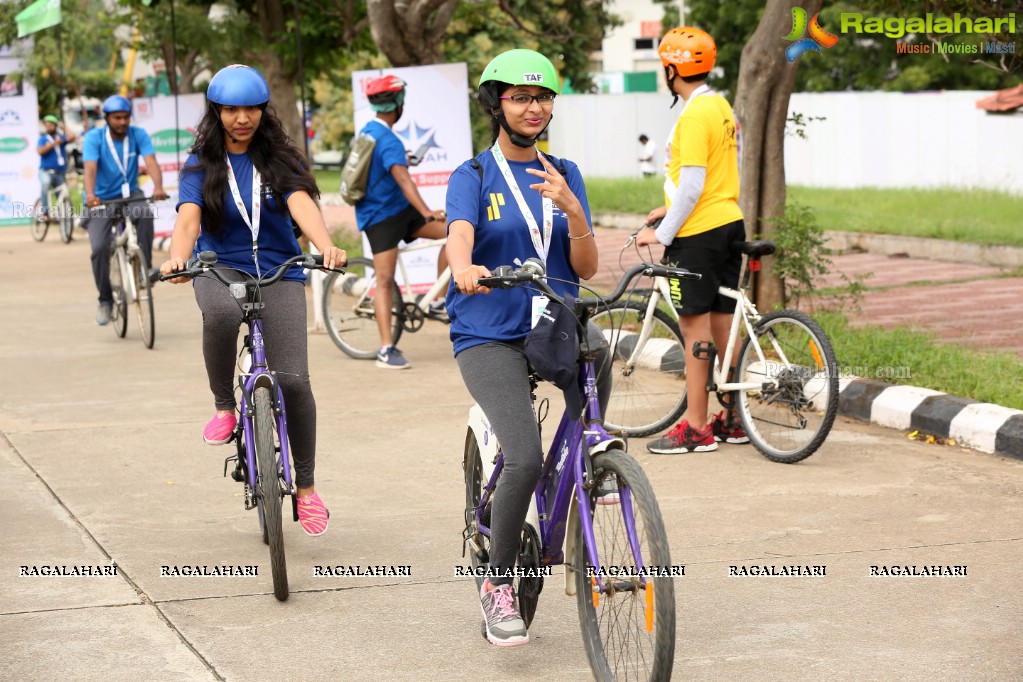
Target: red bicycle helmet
pixel 386 93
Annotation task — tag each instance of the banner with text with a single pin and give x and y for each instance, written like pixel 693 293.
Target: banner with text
pixel 19 132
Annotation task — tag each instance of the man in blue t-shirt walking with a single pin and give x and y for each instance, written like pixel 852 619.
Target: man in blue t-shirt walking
pixel 392 210
pixel 52 159
pixel 111 157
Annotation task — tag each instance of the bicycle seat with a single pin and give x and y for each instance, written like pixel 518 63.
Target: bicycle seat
pixel 754 249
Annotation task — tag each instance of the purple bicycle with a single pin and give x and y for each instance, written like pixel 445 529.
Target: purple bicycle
pixel 262 461
pixel 594 500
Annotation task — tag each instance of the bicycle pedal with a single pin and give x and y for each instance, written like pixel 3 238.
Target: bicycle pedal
pixel 704 350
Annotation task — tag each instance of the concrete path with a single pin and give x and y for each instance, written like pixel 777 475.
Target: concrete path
pixel 100 447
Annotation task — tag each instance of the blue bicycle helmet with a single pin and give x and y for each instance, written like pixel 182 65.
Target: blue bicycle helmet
pixel 238 86
pixel 116 103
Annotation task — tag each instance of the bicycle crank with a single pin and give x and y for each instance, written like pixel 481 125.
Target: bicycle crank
pixel 413 318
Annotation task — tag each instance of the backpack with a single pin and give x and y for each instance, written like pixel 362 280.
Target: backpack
pixel 355 174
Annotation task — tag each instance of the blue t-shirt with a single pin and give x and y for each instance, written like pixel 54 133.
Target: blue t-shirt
pixel 51 160
pixel 108 174
pixel 384 197
pixel 501 236
pixel 277 242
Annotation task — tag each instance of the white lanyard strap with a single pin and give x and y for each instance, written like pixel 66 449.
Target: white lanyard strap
pixel 257 189
pixel 122 165
pixel 56 147
pixel 669 185
pixel 542 244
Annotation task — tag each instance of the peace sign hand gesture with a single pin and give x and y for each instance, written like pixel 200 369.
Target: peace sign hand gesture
pixel 554 186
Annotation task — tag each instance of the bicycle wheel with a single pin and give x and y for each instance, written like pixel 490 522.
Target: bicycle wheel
pixel 119 310
pixel 789 417
pixel 348 310
pixel 648 394
pixel 143 301
pixel 629 628
pixel 527 588
pixel 269 487
pixel 39 225
pixel 66 218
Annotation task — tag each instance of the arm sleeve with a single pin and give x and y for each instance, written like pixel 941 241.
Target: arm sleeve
pixel 144 142
pixel 463 197
pixel 190 185
pixel 690 187
pixel 90 147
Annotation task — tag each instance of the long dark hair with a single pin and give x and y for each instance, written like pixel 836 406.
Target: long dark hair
pixel 278 160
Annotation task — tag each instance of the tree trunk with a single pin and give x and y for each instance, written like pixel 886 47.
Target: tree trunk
pixel 410 32
pixel 766 80
pixel 281 76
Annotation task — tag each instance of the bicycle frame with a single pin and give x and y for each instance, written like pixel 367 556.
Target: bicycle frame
pixel 439 286
pixel 561 491
pixel 126 244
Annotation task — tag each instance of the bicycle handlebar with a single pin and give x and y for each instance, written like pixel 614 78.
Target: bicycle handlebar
pixel 507 276
pixel 208 259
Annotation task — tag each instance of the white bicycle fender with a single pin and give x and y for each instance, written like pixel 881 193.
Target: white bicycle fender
pixel 488 445
pixel 571 531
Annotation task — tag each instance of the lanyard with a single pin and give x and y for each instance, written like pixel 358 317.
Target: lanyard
pixel 253 224
pixel 56 148
pixel 542 244
pixel 669 186
pixel 122 165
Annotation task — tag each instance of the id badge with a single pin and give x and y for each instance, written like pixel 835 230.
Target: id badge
pixel 125 191
pixel 539 305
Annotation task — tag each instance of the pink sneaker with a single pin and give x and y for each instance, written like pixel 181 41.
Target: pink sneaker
pixel 219 429
pixel 312 515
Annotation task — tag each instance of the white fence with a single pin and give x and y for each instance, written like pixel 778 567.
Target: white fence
pixel 868 139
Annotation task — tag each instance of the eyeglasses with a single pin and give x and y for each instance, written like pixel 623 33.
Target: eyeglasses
pixel 545 99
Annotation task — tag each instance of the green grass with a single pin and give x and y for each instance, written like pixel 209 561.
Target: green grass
pixel 327 180
pixel 915 358
pixel 624 195
pixel 974 216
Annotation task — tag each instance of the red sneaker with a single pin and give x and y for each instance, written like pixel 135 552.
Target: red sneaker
pixel 682 439
pixel 219 429
pixel 723 434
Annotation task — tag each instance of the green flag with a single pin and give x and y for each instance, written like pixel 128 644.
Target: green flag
pixel 37 16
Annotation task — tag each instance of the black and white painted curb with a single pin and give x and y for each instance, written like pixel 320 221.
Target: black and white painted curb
pixel 982 426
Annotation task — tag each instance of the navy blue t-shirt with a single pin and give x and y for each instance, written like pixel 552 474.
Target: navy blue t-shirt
pixel 501 236
pixel 277 242
pixel 384 197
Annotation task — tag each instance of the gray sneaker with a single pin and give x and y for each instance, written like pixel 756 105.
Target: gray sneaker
pixel 104 313
pixel 391 358
pixel 504 625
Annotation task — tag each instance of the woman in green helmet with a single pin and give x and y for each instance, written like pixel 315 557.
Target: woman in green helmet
pixel 512 202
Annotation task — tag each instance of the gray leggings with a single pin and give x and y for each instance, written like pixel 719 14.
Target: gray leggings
pixel 284 335
pixel 496 375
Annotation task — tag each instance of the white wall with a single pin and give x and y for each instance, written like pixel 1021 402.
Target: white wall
pixel 868 138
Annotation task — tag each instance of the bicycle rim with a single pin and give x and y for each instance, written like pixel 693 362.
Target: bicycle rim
pixel 628 629
pixel 38 226
pixel 348 310
pixel 119 309
pixel 67 221
pixel 789 417
pixel 648 391
pixel 269 486
pixel 144 302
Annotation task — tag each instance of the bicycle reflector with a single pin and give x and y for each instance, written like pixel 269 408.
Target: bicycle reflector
pixel 754 265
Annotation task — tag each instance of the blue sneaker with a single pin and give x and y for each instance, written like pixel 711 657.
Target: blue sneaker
pixel 391 358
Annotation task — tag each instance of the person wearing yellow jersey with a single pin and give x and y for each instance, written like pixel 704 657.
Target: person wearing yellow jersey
pixel 698 224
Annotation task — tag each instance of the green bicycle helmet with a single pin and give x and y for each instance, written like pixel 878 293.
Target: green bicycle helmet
pixel 515 67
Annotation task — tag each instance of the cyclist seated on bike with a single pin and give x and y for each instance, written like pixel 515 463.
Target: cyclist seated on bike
pixel 392 209
pixel 111 172
pixel 512 202
pixel 242 157
pixel 699 223
pixel 52 159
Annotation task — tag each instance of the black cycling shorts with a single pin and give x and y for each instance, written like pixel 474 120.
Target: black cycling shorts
pixel 710 254
pixel 390 232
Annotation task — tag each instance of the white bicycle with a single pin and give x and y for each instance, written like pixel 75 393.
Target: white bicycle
pixel 348 303
pixel 61 211
pixel 785 385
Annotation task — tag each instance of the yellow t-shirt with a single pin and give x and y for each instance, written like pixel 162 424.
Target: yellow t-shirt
pixel 704 135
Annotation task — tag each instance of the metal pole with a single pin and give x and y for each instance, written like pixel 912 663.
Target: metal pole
pixel 681 12
pixel 172 82
pixel 60 73
pixel 301 75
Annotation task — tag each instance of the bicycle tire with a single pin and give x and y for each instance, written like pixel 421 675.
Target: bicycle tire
pixel 144 301
pixel 636 612
pixel 651 395
pixel 527 589
pixel 788 422
pixel 268 486
pixel 38 227
pixel 119 306
pixel 67 221
pixel 349 315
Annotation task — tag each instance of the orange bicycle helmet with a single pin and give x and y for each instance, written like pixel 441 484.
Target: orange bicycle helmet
pixel 690 50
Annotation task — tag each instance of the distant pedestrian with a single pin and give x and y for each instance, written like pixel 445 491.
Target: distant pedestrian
pixel 646 157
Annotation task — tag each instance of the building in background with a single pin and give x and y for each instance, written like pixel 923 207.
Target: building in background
pixel 627 60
